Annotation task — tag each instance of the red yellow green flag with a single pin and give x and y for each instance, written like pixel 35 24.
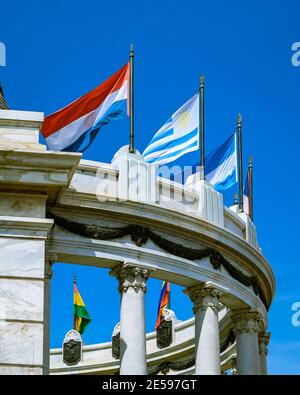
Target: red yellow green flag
pixel 81 316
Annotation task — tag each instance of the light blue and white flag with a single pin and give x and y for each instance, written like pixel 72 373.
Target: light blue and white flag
pixel 178 136
pixel 220 166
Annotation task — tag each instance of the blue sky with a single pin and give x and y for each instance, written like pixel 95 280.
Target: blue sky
pixel 59 50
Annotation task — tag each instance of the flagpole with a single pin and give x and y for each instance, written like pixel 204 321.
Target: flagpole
pixel 250 188
pixel 201 126
pixel 131 100
pixel 240 156
pixel 74 318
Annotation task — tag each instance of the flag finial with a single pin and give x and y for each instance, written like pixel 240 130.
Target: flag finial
pixel 74 278
pixel 250 161
pixel 239 118
pixel 201 80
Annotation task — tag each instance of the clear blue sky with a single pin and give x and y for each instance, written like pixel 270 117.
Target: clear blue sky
pixel 59 50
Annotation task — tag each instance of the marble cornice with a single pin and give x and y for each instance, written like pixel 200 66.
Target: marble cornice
pixel 23 227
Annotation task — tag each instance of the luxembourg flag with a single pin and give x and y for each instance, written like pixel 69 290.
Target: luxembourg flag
pixel 74 128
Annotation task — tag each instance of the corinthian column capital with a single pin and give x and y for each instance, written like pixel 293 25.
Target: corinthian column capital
pixel 204 297
pixel 263 342
pixel 246 322
pixel 131 277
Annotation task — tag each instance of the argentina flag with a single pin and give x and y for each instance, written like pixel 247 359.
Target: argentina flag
pixel 178 136
pixel 220 166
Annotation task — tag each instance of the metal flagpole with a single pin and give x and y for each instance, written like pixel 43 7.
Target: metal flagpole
pixel 74 317
pixel 201 126
pixel 131 101
pixel 240 160
pixel 250 188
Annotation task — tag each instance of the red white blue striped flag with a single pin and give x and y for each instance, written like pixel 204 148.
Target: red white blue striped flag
pixel 74 128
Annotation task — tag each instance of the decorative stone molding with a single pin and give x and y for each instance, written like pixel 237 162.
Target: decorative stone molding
pixel 204 297
pixel 169 315
pixel 131 277
pixel 165 367
pixel 263 342
pixel 115 347
pixel 72 348
pixel 246 322
pixel 140 236
pixel 165 332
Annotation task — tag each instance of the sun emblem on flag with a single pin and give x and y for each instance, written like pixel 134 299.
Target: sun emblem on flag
pixel 183 119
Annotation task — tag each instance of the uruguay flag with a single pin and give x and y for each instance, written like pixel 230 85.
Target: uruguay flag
pixel 74 128
pixel 178 136
pixel 220 166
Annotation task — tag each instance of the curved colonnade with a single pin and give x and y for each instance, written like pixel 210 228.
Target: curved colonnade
pixel 55 207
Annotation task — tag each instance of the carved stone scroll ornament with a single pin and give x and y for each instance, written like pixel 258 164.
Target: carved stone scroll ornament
pixel 72 348
pixel 164 333
pixel 246 322
pixel 166 366
pixel 140 235
pixel 132 277
pixel 263 342
pixel 116 342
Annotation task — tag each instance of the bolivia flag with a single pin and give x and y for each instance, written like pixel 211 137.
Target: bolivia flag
pixel 81 316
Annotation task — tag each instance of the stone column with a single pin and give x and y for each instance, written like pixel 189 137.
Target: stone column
pixel 22 285
pixel 263 342
pixel 46 333
pixel 132 287
pixel 207 337
pixel 31 179
pixel 246 328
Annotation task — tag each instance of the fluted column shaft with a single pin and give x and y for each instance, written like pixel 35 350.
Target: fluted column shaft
pixel 132 287
pixel 246 328
pixel 207 337
pixel 263 342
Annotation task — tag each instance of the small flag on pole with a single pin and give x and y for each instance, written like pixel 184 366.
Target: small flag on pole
pixel 81 315
pixel 164 302
pixel 178 136
pixel 74 128
pixel 246 195
pixel 247 192
pixel 221 165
